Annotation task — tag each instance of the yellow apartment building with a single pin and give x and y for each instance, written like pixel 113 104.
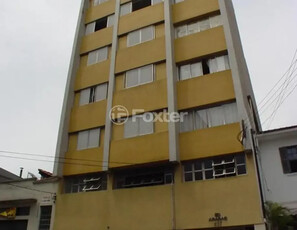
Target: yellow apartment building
pixel 144 59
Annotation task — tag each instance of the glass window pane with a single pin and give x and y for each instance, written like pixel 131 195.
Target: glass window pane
pixel 101 92
pixel 196 69
pixel 82 140
pixel 132 78
pixel 147 33
pixel 145 125
pixel 146 74
pixel 188 167
pixel 125 9
pixel 193 28
pixel 156 1
pixel 198 165
pixel 201 121
pixel 90 28
pixel 198 176
pixel 240 159
pixel 187 124
pixel 213 66
pixel 94 136
pixel 102 54
pixel 221 63
pixel 241 169
pixel 204 25
pixel 215 21
pixel 227 63
pixel 208 164
pixel 84 97
pixel 110 20
pixel 92 57
pixel 133 38
pixel 208 174
pixel 96 2
pixel 188 177
pixel 215 116
pixel 184 72
pixel 131 128
pixel 181 31
pixel 230 113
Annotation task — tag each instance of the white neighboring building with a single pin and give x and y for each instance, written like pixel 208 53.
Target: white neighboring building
pixel 277 150
pixel 33 200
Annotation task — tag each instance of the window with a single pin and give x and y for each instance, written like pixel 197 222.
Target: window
pixel 140 36
pixel 97 2
pixel 98 55
pixel 214 168
pixel 177 1
pixel 144 177
pixel 45 217
pixel 23 211
pixel 204 67
pixel 138 125
pixel 139 76
pixel 211 117
pixel 86 183
pixel 93 94
pixel 88 139
pixel 126 9
pixel 100 24
pixel 198 26
pixel 139 4
pixel 289 159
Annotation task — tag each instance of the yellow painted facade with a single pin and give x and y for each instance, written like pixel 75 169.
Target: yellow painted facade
pixel 180 205
pixel 150 208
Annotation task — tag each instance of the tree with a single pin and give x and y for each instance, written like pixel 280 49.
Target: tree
pixel 279 217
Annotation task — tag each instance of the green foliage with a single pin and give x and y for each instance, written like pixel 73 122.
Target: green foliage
pixel 278 216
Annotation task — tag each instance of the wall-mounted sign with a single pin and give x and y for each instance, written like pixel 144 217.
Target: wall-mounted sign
pixel 9 213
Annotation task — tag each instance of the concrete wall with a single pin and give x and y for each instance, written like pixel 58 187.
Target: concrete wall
pixel 43 193
pixel 277 186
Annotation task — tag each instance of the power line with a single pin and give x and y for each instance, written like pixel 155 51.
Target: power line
pixel 32 189
pixel 61 158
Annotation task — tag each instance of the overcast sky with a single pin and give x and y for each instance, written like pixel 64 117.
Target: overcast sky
pixel 36 38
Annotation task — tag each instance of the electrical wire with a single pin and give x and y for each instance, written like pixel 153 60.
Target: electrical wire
pixel 62 158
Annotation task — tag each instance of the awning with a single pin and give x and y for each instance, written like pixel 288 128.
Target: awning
pixel 16 203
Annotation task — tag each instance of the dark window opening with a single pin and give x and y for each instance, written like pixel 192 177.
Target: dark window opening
pixel 23 211
pixel 289 159
pixel 101 24
pixel 92 95
pixel 205 67
pixel 86 183
pixel 143 177
pixel 139 4
pixel 45 217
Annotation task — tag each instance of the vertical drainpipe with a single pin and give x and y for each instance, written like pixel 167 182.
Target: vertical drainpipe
pixel 173 127
pixel 171 71
pixel 111 83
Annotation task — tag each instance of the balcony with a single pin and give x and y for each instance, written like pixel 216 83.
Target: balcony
pixel 210 142
pixel 200 44
pixel 192 8
pixel 204 90
pixel 139 150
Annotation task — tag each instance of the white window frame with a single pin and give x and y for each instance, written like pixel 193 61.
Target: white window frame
pixel 129 4
pixel 138 118
pixel 154 2
pixel 139 76
pixel 90 93
pixel 224 116
pixel 98 2
pixel 97 51
pixel 140 34
pixel 210 22
pixel 108 20
pixel 88 146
